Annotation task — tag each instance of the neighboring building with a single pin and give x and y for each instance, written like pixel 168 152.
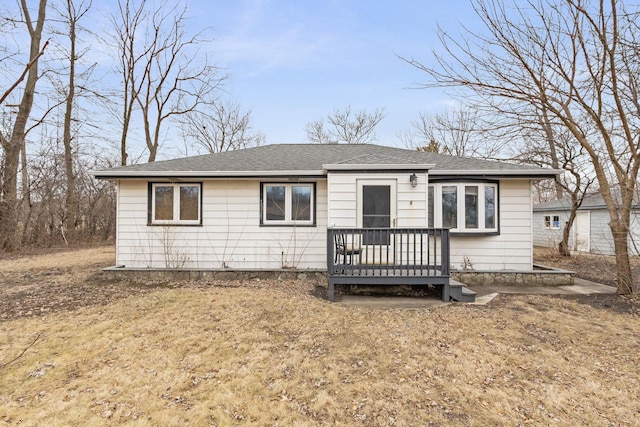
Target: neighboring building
pixel 590 231
pixel 270 207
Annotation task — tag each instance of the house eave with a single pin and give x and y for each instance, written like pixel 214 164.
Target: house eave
pixel 111 175
pixel 484 173
pixel 377 167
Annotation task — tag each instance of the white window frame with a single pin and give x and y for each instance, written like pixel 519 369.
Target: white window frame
pixel 288 221
pixel 176 204
pixel 552 222
pixel 461 226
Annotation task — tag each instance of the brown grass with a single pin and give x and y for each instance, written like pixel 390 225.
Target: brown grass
pixel 265 355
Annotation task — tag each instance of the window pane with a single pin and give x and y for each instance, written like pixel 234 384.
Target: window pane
pixel 189 205
pixel 450 206
pixel 471 206
pixel 556 221
pixel 430 210
pixel 489 207
pixel 275 208
pixel 163 202
pixel 301 203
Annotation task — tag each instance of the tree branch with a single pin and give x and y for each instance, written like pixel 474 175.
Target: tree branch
pixel 24 73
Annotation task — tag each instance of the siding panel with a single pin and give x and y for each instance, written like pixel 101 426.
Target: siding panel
pixel 512 249
pixel 230 236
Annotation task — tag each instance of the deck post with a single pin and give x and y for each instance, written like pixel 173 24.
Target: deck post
pixel 445 261
pixel 330 262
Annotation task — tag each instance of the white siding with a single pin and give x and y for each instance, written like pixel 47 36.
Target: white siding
pixel 230 235
pixel 411 201
pixel 549 237
pixel 512 248
pixel 600 239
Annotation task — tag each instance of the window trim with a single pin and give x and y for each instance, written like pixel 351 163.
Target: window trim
pixel 151 196
pixel 550 222
pixel 287 222
pixel 461 229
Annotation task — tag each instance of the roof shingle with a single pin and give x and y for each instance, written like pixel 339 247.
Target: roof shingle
pixel 307 159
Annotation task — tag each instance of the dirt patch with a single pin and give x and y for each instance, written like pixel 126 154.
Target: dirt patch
pixel 51 282
pixel 595 268
pixel 46 283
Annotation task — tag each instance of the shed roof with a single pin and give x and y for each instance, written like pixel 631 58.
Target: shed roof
pixel 317 160
pixel 590 202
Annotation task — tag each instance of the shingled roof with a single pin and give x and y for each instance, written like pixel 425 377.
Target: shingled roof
pixel 591 201
pixel 316 160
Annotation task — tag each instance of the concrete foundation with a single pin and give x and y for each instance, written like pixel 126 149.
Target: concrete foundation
pixel 539 276
pixel 123 273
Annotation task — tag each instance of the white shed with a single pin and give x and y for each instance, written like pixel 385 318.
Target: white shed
pixel 590 232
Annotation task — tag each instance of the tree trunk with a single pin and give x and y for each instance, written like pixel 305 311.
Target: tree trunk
pixel 9 206
pixel 563 246
pixel 69 217
pixel 553 153
pixel 624 278
pixel 9 193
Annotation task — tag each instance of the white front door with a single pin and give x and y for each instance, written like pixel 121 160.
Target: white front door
pixel 377 209
pixel 583 231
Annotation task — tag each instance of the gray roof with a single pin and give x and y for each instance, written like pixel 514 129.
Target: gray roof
pixel 591 201
pixel 316 160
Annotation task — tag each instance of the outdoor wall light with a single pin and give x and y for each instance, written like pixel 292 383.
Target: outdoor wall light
pixel 414 180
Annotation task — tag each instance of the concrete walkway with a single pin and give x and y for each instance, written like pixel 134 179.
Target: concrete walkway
pixel 485 294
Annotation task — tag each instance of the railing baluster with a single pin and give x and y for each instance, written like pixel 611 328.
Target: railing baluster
pixel 422 251
pixel 410 267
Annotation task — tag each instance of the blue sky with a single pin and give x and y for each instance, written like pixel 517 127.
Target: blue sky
pixel 292 62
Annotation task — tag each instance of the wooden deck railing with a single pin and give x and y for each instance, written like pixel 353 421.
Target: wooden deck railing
pixel 387 256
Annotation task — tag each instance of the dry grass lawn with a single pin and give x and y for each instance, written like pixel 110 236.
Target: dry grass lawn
pixel 277 355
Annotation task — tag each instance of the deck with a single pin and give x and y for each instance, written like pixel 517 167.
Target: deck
pixel 388 256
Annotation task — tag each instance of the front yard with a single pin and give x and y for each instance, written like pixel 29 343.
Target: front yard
pixel 77 350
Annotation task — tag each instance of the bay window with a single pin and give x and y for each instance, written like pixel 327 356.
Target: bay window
pixel 463 207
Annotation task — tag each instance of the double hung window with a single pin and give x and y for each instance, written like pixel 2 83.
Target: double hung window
pixel 175 204
pixel 288 204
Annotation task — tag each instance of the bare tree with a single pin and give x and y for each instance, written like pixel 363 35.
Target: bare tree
pixel 554 146
pixel 457 133
pixel 223 127
pixel 577 59
pixel 71 14
pixel 13 144
pixel 127 27
pixel 352 128
pixel 316 132
pixel 163 69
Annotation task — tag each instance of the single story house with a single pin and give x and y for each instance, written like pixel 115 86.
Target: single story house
pixel 318 207
pixel 590 231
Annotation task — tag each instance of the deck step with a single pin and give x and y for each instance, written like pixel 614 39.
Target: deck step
pixel 459 292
